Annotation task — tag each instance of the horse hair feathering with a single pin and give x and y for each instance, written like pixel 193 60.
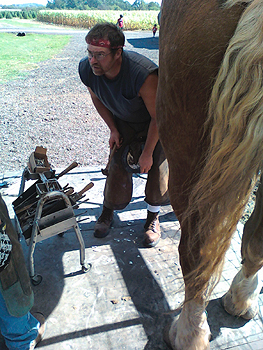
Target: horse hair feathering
pixel 236 146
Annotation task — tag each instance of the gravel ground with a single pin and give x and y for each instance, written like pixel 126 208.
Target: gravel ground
pixel 52 108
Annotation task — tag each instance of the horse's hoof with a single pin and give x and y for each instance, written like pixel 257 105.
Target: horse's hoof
pixel 230 308
pixel 251 312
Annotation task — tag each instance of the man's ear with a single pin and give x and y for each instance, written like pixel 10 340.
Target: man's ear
pixel 118 53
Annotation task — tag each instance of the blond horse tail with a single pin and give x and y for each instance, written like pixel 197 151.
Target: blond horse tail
pixel 235 155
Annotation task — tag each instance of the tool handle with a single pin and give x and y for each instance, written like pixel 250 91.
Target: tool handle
pixel 70 167
pixel 112 151
pixel 86 188
pixel 69 191
pixel 114 148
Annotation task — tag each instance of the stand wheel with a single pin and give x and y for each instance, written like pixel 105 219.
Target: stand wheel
pixel 86 269
pixel 36 280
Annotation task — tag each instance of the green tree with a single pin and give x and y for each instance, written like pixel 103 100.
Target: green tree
pixel 94 4
pixel 153 6
pixel 56 4
pixel 117 5
pixel 71 4
pixel 139 5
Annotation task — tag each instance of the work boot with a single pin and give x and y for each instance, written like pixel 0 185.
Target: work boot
pixel 41 330
pixel 152 230
pixel 102 226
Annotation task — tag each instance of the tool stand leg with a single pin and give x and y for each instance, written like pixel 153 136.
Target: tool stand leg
pixel 85 268
pixel 35 279
pixel 23 181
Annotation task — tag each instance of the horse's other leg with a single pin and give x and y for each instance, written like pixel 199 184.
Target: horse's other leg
pixel 189 330
pixel 242 297
pixel 192 317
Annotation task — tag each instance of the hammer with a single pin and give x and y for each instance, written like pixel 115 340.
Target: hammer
pixel 70 167
pixel 112 151
pixel 78 195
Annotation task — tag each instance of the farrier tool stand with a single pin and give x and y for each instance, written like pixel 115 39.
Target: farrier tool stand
pixel 46 209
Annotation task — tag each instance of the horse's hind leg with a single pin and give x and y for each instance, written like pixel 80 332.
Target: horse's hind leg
pixel 190 329
pixel 242 297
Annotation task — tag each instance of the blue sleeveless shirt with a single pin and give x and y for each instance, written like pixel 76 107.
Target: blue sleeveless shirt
pixel 120 95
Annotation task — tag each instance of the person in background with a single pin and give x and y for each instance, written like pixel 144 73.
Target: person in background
pixel 120 22
pixel 123 87
pixel 20 329
pixel 154 29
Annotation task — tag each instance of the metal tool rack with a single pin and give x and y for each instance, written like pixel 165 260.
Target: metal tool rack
pixel 46 209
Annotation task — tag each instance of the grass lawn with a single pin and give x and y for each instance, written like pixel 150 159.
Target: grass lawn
pixel 24 23
pixel 29 23
pixel 18 55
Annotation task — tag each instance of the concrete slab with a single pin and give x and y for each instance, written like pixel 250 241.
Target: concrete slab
pixel 129 294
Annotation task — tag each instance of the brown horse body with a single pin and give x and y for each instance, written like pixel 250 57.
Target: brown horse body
pixel 195 41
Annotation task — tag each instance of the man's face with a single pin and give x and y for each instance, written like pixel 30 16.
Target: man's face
pixel 101 59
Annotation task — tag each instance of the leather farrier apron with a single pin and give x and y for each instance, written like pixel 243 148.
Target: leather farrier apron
pixel 15 285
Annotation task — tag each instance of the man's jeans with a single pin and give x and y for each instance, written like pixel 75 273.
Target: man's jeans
pixel 18 332
pixel 119 186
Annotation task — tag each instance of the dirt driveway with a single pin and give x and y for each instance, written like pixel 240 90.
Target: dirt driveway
pixel 52 108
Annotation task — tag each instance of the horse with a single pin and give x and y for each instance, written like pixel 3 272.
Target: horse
pixel 209 110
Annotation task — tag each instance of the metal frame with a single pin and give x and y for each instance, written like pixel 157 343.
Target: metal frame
pixel 52 224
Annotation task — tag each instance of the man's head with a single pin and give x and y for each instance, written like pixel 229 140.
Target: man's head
pixel 105 45
pixel 112 36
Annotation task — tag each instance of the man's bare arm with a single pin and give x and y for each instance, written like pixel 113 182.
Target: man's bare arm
pixel 148 94
pixel 108 118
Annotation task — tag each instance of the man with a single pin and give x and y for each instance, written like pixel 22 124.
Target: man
pixel 154 30
pixel 120 22
pixel 123 87
pixel 20 329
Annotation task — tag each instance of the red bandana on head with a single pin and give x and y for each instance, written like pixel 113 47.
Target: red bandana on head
pixel 102 43
pixel 99 42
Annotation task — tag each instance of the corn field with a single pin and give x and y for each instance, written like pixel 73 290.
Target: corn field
pixel 133 20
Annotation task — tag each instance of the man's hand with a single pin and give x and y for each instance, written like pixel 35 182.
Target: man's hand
pixel 115 137
pixel 145 162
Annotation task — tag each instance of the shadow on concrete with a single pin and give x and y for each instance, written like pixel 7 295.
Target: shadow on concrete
pixel 218 318
pixel 145 43
pixel 146 294
pixel 91 331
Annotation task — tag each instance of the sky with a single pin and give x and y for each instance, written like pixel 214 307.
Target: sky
pixel 44 2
